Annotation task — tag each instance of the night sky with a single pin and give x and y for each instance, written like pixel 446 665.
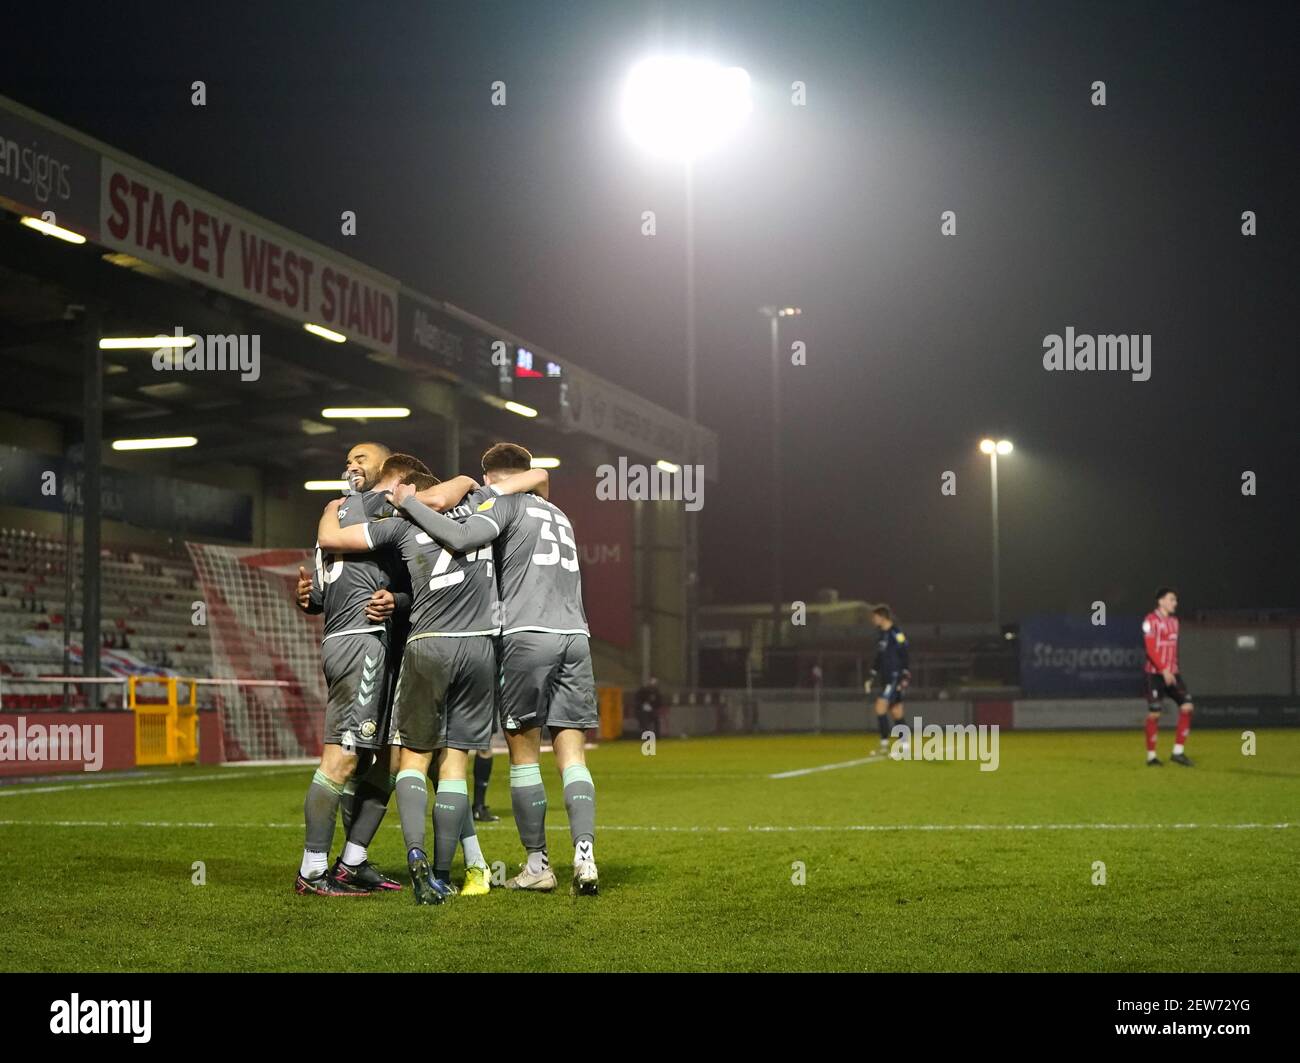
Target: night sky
pixel 1117 219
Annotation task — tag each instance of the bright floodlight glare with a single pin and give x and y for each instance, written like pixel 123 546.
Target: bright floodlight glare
pixel 681 107
pixel 668 466
pixel 987 446
pixel 1004 446
pixel 521 409
pixel 546 463
pixel 327 485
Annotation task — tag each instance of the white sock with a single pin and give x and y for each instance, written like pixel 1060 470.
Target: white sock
pixel 1178 748
pixel 314 864
pixel 473 851
pixel 1151 754
pixel 538 861
pixel 353 854
pixel 584 851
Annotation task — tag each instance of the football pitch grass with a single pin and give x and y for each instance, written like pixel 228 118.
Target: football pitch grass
pixel 912 866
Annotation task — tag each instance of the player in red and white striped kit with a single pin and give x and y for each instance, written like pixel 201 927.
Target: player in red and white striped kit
pixel 1160 632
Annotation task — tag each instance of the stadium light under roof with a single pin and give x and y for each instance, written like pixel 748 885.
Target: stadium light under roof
pixel 338 486
pixel 546 463
pixel 143 343
pixel 325 333
pixel 521 409
pixel 56 231
pixel 161 443
pixel 365 411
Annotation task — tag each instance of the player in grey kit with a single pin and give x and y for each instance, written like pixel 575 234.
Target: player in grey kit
pixel 546 673
pixel 365 600
pixel 446 689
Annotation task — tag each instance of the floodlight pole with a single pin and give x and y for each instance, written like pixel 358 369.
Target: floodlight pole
pixel 775 511
pixel 997 590
pixel 774 315
pixel 689 529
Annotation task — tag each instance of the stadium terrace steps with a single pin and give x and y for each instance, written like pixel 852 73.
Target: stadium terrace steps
pixel 145 615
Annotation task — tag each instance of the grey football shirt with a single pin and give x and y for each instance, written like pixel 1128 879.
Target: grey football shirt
pixel 536 557
pixel 451 593
pixel 344 583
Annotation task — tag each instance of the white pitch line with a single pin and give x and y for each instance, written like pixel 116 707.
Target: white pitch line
pixel 18 790
pixel 874 759
pixel 707 829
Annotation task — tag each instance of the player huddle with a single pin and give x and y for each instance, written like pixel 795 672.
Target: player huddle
pixel 448 608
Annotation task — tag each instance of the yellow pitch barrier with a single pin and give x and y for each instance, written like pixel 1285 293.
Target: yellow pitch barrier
pixel 166 732
pixel 610 701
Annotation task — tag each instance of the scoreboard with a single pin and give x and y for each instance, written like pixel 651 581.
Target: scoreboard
pixel 536 382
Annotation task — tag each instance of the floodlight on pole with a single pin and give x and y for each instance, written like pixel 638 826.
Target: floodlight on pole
pixel 993 449
pixel 678 107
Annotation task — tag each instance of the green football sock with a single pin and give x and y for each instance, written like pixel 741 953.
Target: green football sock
pixel 450 807
pixel 528 798
pixel 580 803
pixel 412 803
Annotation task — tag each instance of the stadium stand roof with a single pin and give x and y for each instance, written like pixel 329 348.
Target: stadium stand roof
pixel 161 254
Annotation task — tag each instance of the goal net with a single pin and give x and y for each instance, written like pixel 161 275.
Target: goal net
pixel 258 633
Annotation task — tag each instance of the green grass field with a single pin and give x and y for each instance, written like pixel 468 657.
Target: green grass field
pixel 696 852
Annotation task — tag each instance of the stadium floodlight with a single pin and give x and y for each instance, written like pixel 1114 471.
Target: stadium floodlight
pixel 790 311
pixel 143 343
pixel 667 466
pixel 679 107
pixel 365 411
pixel 325 333
pixel 521 409
pixel 337 486
pixel 546 463
pixel 993 449
pixel 161 443
pixel 49 229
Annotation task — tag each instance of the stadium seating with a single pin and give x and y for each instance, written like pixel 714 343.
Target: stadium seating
pixel 145 617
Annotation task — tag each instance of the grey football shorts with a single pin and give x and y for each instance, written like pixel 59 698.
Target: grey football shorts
pixel 356 676
pixel 547 681
pixel 446 693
